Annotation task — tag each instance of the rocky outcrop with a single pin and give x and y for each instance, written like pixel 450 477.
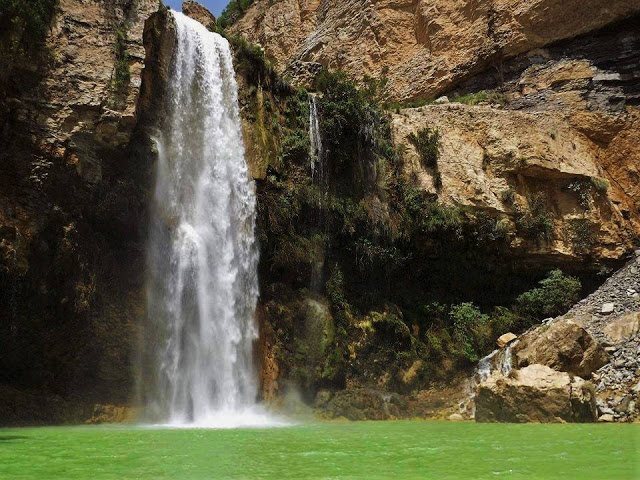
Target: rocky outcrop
pixel 199 13
pixel 498 161
pixel 535 394
pixel 550 132
pixel 564 345
pixel 422 47
pixel 574 344
pixel 74 175
pixel 618 382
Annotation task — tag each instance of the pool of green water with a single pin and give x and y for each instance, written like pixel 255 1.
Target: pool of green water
pixel 376 450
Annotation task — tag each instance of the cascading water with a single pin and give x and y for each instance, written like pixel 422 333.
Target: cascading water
pixel 319 179
pixel 316 140
pixel 203 256
pixel 501 360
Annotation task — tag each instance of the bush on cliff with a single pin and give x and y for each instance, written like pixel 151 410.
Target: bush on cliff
pixel 233 12
pixel 27 23
pixel 426 143
pixel 554 296
pixel 469 330
pixel 536 222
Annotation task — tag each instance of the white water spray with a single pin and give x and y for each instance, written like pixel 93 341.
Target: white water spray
pixel 203 256
pixel 500 360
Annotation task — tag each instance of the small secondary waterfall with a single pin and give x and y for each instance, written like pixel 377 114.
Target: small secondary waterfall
pixel 317 165
pixel 203 256
pixel 501 360
pixel 319 180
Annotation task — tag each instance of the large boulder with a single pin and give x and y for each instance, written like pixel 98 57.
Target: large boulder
pixel 563 346
pixel 624 328
pixel 535 394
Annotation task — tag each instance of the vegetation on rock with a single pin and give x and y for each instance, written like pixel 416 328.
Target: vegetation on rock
pixel 233 12
pixel 535 222
pixel 26 22
pixel 554 296
pixel 425 142
pixel 122 73
pixel 481 97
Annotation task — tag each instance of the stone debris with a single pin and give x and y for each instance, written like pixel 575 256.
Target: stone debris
pixel 607 308
pixel 617 327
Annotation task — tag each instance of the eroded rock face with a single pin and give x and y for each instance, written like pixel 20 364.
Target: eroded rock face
pixel 496 160
pixel 563 346
pixel 72 210
pixel 562 114
pixel 535 394
pixel 422 47
pixel 199 13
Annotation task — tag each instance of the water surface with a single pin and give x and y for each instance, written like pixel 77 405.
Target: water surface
pixel 374 450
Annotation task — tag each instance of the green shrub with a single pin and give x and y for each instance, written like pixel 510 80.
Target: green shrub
pixel 426 143
pixel 122 73
pixel 480 97
pixel 582 236
pixel 503 320
pixel 233 12
pixel 26 22
pixel 536 222
pixel 468 330
pixel 488 229
pixel 554 296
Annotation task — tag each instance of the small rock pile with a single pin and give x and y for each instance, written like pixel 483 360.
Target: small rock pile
pixel 612 315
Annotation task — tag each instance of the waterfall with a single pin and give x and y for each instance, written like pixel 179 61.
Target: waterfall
pixel 202 254
pixel 500 360
pixel 320 180
pixel 316 139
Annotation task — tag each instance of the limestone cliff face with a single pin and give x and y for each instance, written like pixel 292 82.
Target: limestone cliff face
pixel 569 118
pixel 72 208
pixel 423 47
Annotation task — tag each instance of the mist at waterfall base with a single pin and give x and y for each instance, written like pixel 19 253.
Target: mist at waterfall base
pixel 202 254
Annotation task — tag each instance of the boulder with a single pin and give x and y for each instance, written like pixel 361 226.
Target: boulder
pixel 623 328
pixel 607 308
pixel 506 339
pixel 535 394
pixel 563 346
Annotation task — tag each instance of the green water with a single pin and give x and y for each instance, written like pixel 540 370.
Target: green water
pixel 393 450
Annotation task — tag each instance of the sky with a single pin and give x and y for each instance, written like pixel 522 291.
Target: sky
pixel 214 6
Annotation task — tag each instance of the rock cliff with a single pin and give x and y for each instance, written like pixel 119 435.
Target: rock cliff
pixel 561 112
pixel 72 203
pixel 371 253
pixel 423 47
